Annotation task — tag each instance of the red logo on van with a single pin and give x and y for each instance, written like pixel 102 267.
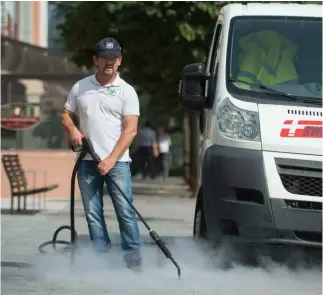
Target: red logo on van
pixel 302 128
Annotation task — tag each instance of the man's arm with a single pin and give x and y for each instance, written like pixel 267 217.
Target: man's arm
pixel 73 132
pixel 128 134
pixel 155 146
pixel 67 117
pixel 67 121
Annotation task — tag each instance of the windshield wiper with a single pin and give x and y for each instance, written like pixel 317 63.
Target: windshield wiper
pixel 289 96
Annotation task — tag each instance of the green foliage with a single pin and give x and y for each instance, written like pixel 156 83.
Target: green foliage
pixel 158 40
pixel 177 172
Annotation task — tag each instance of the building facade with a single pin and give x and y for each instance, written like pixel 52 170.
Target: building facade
pixel 26 21
pixel 43 147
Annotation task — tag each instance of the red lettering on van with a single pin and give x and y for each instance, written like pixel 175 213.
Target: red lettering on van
pixel 302 129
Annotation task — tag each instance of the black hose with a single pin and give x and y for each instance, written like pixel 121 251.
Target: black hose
pixel 86 147
pixel 71 245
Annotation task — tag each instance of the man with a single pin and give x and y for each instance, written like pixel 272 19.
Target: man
pixel 107 109
pixel 148 150
pixel 164 144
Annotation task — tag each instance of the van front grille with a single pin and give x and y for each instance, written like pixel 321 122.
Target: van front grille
pixel 300 177
pixel 302 185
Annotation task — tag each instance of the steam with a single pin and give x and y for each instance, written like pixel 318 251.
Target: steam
pixel 203 270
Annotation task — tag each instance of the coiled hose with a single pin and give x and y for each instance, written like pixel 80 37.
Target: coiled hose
pixel 71 245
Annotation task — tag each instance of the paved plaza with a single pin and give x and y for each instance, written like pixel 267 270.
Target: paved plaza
pixel 170 212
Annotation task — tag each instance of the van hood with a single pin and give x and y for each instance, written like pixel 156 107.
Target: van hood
pixel 291 129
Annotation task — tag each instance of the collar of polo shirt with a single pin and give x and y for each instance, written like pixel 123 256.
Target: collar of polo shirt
pixel 116 81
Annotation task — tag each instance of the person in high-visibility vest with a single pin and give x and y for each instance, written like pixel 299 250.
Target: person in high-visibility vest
pixel 267 59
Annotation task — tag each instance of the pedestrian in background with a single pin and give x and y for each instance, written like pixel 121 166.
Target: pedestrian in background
pixel 107 108
pixel 148 151
pixel 164 143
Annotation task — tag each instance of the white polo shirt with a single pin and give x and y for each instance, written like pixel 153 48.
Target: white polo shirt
pixel 100 110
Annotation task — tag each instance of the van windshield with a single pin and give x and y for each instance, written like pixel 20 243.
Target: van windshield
pixel 280 53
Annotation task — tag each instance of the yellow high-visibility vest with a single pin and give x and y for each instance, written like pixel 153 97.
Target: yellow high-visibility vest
pixel 267 58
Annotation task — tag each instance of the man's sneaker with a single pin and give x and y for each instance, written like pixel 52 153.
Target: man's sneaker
pixel 133 261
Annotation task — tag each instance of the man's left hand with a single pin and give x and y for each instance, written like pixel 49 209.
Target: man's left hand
pixel 106 165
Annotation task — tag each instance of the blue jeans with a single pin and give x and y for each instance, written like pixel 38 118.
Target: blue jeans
pixel 91 188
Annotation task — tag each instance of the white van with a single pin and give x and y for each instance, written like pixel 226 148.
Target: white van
pixel 260 175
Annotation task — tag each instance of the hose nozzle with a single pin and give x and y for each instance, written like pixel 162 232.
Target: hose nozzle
pixel 160 243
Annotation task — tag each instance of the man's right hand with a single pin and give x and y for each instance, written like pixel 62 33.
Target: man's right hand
pixel 76 137
pixel 74 134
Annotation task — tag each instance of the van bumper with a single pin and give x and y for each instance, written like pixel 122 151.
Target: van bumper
pixel 238 207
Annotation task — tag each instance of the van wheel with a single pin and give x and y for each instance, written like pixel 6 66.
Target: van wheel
pixel 199 230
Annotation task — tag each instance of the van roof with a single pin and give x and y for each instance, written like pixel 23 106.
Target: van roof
pixel 274 9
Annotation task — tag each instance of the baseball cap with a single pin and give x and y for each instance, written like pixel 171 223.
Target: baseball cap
pixel 108 45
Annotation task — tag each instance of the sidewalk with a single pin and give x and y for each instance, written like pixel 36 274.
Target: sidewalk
pixel 26 271
pixel 171 187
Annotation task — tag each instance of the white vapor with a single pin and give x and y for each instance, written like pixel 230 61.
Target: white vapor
pixel 202 271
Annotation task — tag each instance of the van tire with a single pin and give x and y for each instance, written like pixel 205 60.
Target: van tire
pixel 199 229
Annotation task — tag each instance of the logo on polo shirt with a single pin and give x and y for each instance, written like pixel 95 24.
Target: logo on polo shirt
pixel 113 90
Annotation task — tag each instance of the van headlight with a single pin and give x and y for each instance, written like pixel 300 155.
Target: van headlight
pixel 236 123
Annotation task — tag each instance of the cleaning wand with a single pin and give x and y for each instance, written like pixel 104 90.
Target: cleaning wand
pixel 160 243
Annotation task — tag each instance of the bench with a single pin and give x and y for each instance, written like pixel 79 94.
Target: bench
pixel 19 184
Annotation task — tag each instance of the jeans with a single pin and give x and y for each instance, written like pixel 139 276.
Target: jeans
pixel 91 188
pixel 147 162
pixel 163 160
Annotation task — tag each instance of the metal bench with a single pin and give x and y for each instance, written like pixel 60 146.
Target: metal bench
pixel 19 184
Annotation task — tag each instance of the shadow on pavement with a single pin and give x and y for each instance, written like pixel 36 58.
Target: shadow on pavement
pixel 110 215
pixel 15 264
pixel 22 212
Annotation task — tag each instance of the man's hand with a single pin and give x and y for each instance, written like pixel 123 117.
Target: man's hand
pixel 76 137
pixel 107 164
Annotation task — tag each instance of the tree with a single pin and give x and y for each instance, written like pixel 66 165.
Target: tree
pixel 158 40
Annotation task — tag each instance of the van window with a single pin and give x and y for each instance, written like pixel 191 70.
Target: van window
pixel 281 53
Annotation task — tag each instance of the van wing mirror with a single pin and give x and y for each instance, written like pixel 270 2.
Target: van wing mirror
pixel 192 87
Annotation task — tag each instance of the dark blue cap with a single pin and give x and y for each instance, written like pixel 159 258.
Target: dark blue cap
pixel 108 45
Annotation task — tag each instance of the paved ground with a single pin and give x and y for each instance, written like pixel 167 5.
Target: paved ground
pixel 170 213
